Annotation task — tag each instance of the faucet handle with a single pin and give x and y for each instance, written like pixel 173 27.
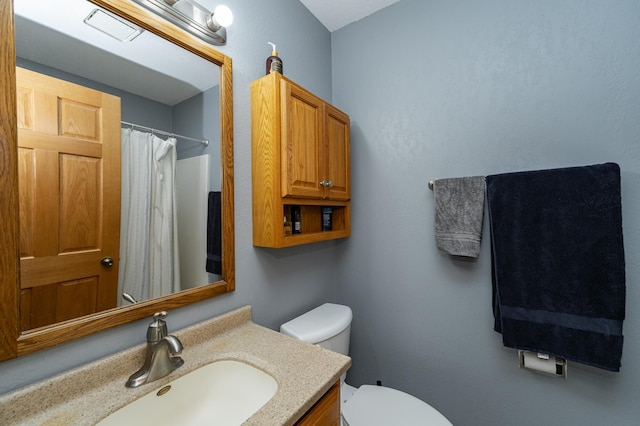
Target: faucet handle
pixel 158 328
pixel 160 315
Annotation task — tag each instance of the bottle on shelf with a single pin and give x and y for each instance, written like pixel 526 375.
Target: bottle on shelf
pixel 326 218
pixel 296 219
pixel 287 226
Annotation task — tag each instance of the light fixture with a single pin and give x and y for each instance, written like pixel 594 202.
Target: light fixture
pixel 194 18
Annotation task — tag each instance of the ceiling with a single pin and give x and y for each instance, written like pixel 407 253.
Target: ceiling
pixel 335 14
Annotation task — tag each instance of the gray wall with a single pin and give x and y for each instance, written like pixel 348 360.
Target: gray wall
pixel 197 117
pixel 279 284
pixel 434 89
pixel 445 88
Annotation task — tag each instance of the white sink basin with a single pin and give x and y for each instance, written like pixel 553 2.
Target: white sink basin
pixel 222 393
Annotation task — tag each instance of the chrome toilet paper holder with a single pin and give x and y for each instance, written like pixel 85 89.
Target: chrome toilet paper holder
pixel 543 363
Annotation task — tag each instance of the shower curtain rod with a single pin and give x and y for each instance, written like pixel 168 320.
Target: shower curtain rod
pixel 204 142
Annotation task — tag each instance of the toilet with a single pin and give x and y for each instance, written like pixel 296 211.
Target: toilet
pixel 329 326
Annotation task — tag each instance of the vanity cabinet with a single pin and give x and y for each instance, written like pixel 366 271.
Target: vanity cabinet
pixel 300 159
pixel 325 412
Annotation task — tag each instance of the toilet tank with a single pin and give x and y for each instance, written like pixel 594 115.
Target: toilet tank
pixel 328 326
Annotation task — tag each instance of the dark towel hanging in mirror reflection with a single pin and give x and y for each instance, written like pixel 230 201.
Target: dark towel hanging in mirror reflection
pixel 214 234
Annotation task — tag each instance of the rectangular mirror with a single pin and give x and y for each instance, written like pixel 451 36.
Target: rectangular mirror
pixel 72 273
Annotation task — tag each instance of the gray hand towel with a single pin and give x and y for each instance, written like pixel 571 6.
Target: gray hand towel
pixel 459 204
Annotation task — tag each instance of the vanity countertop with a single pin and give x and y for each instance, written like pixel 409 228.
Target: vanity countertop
pixel 86 395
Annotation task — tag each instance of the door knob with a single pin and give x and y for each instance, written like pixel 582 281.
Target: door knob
pixel 107 261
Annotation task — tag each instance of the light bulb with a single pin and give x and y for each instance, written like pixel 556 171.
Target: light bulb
pixel 223 15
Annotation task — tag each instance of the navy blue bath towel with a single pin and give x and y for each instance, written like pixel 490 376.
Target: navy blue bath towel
pixel 558 262
pixel 214 233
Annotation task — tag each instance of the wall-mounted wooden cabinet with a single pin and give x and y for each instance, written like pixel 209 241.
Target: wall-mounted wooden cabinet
pixel 300 158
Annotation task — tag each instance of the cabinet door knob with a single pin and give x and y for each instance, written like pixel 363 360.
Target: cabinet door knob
pixel 323 183
pixel 330 184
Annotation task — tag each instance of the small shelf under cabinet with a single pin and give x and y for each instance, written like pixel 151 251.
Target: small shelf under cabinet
pixel 311 222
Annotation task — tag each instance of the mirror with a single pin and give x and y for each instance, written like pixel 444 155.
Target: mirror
pixel 157 95
pixel 15 341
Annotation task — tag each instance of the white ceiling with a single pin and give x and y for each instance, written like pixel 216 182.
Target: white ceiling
pixel 335 14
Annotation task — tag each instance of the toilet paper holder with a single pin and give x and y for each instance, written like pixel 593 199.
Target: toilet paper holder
pixel 543 363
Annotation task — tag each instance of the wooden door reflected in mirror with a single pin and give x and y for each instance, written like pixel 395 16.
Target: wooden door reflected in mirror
pixel 69 179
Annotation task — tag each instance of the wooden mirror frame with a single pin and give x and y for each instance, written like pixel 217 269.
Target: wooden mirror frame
pixel 13 341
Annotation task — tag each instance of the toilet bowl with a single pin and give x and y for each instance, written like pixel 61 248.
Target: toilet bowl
pixel 329 326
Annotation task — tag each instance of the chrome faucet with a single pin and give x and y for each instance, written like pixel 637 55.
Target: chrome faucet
pixel 162 353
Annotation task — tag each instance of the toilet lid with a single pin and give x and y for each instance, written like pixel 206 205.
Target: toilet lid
pixel 381 406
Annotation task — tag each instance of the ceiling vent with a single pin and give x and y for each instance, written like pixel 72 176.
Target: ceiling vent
pixel 112 25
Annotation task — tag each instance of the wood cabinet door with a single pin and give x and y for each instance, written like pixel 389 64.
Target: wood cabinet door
pixel 325 412
pixel 302 150
pixel 337 128
pixel 69 198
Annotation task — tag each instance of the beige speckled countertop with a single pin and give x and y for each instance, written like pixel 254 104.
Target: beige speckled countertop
pixel 88 394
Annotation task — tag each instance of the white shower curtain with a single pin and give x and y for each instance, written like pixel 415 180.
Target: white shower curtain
pixel 149 258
